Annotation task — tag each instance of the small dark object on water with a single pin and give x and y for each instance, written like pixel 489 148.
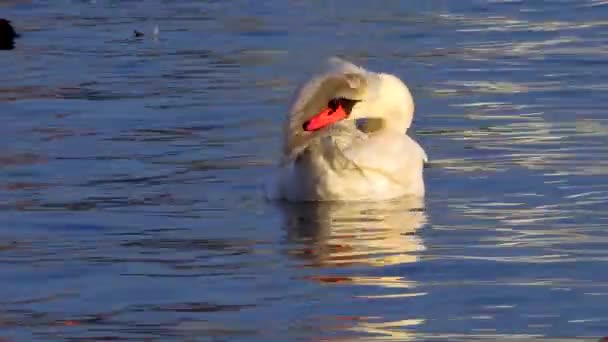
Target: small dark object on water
pixel 7 35
pixel 138 34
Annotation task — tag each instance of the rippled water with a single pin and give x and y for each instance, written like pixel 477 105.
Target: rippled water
pixel 130 172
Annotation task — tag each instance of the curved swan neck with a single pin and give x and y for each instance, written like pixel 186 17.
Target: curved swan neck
pixel 390 107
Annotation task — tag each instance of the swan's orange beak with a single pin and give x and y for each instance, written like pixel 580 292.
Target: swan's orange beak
pixel 326 117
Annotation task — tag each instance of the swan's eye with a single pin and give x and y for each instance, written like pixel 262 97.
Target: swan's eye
pixel 346 104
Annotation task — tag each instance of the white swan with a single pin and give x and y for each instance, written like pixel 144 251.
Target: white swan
pixel 345 139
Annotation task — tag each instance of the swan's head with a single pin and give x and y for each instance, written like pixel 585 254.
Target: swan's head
pixel 346 92
pixel 357 94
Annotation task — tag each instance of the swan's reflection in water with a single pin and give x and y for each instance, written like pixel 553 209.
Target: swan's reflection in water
pixel 328 236
pixel 344 234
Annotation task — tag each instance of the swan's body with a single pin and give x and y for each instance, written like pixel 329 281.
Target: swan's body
pixel 364 157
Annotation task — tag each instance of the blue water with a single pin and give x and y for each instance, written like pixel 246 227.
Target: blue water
pixel 130 174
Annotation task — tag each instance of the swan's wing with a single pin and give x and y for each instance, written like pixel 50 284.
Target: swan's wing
pixel 339 79
pixel 390 153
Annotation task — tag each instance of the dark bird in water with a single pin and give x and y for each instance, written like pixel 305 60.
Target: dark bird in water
pixel 7 35
pixel 139 34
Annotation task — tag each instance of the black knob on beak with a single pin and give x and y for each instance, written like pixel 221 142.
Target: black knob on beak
pixel 305 125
